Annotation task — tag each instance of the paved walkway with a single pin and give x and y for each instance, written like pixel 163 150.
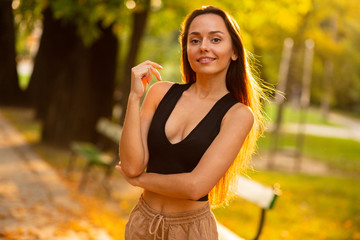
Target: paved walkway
pixel 34 204
pixel 351 124
pixel 349 128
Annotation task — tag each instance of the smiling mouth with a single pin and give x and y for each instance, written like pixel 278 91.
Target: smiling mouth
pixel 205 60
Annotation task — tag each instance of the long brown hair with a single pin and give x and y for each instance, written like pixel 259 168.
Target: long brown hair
pixel 244 87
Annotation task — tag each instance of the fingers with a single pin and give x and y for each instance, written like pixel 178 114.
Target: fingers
pixel 148 68
pixel 156 73
pixel 130 180
pixel 119 169
pixel 146 77
pixel 153 64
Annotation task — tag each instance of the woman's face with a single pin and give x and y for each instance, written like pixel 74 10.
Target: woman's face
pixel 209 45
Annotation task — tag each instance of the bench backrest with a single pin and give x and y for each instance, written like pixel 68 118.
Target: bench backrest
pixel 109 129
pixel 257 193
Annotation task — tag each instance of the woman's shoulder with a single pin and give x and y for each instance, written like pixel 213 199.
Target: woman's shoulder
pixel 240 112
pixel 162 86
pixel 158 90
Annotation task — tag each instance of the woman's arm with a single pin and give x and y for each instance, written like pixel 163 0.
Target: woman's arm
pixel 212 166
pixel 133 151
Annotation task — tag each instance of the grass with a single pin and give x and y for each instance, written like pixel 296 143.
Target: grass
pixel 310 207
pixel 342 154
pixel 293 115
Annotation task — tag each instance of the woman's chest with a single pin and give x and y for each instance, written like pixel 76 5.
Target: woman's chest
pixel 185 118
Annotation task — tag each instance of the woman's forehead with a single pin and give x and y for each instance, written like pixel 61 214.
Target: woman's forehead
pixel 208 23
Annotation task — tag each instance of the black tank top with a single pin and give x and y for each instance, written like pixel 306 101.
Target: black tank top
pixel 168 158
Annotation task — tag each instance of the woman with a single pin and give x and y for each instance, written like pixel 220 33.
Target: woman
pixel 193 139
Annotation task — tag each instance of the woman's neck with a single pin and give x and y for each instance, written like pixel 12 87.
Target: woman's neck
pixel 209 87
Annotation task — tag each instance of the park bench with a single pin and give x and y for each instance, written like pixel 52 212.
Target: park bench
pixel 95 154
pixel 262 196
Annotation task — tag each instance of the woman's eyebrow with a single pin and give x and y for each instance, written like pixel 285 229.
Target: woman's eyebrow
pixel 212 32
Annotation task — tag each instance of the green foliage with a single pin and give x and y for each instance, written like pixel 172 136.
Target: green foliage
pixel 265 25
pixel 161 42
pixel 88 14
pixel 333 25
pixel 335 28
pixel 26 15
pixel 23 81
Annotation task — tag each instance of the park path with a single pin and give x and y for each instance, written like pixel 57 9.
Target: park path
pixel 349 128
pixel 34 203
pixel 351 124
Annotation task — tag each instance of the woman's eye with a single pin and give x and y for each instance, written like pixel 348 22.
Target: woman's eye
pixel 194 41
pixel 216 40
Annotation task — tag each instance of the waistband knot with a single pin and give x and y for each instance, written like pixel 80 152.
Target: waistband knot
pixel 160 221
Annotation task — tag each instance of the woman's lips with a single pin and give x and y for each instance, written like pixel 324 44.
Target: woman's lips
pixel 205 60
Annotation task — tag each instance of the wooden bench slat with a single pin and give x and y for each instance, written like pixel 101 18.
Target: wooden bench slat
pixel 94 155
pixel 226 234
pixel 255 192
pixel 109 129
pixel 91 153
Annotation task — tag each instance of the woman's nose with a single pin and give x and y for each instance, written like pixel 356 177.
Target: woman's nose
pixel 204 46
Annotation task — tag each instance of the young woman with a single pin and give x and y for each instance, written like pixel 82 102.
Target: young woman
pixel 188 142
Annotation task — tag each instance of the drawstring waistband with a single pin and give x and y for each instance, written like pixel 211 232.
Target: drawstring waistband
pixel 161 221
pixel 158 219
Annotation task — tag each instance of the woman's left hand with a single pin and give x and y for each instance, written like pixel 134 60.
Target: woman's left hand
pixel 133 181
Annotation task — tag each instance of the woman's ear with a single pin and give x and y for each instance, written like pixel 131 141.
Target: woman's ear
pixel 234 56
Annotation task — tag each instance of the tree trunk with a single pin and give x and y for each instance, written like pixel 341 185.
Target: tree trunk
pixel 72 84
pixel 103 72
pixel 329 73
pixel 57 41
pixel 327 86
pixel 10 92
pixel 139 23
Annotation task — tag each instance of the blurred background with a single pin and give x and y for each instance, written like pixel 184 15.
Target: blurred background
pixel 64 64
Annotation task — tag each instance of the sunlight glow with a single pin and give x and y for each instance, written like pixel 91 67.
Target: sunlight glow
pixel 15 4
pixel 131 4
pixel 156 4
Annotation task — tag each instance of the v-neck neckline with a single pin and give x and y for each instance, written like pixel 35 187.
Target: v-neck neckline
pixel 196 126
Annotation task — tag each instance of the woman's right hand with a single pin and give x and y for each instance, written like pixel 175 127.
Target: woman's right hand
pixel 141 76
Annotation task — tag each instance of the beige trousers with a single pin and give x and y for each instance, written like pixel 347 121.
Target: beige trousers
pixel 146 223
